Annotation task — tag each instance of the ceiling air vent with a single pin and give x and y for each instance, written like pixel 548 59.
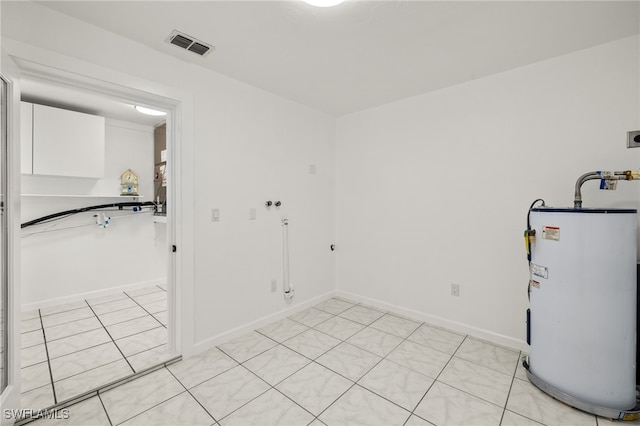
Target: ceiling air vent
pixel 190 43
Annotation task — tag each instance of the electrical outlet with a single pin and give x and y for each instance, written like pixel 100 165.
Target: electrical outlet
pixel 215 215
pixel 455 289
pixel 252 214
pixel 633 139
pixel 274 286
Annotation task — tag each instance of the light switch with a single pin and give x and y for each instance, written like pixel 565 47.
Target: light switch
pixel 215 215
pixel 312 169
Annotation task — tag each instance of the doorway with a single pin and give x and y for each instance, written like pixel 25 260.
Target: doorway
pixel 77 343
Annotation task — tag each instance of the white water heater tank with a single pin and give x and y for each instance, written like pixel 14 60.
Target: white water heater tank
pixel 583 304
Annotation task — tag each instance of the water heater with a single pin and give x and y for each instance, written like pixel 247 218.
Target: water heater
pixel 582 318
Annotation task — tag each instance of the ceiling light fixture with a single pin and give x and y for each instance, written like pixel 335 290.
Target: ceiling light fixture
pixel 149 111
pixel 323 3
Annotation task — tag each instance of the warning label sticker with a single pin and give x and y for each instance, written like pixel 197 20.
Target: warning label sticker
pixel 551 233
pixel 608 185
pixel 539 271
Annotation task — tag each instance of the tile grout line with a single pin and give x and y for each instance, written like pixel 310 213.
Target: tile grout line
pixel 157 404
pixel 292 400
pixel 252 399
pixel 99 344
pixel 149 292
pixel 114 342
pixel 44 335
pixel 369 370
pixel 301 354
pixel 520 414
pixel 85 371
pixel 354 383
pixel 63 312
pixel 69 322
pixel 45 342
pixel 314 361
pixel 117 309
pixel 258 354
pixel 436 378
pixel 135 334
pixel 136 302
pixel 260 378
pixel 32 346
pixel 74 334
pixel 127 320
pixel 453 355
pixel 190 394
pixel 419 324
pixel 510 387
pixel 477 364
pixel 285 378
pixel 149 349
pixel 104 408
pixel 483 366
pixel 405 339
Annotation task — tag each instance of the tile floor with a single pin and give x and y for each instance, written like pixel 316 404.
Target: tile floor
pixel 338 363
pixel 71 349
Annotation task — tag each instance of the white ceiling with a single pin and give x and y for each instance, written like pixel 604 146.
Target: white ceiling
pixel 82 101
pixel 363 53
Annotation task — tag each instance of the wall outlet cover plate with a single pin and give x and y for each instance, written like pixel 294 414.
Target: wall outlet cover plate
pixel 633 139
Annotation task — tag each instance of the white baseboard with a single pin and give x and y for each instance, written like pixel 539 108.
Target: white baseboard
pixel 479 333
pixel 90 294
pixel 499 339
pixel 253 325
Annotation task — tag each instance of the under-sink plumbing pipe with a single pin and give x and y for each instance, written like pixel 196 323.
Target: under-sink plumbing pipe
pixel 600 175
pixel 288 288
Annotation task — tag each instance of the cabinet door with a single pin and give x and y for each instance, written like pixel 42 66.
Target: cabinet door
pixel 26 138
pixel 67 143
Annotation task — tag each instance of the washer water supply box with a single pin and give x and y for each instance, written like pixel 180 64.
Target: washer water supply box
pixel 583 302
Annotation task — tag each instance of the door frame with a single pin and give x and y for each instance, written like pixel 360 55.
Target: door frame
pixel 57 69
pixel 10 397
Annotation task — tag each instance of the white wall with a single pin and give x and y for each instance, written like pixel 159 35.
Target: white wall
pixel 249 146
pixel 73 258
pixel 434 189
pixel 430 190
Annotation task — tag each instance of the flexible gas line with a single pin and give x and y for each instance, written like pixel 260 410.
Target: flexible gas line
pixel 604 177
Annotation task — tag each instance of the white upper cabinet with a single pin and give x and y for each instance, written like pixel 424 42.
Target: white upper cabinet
pixel 26 138
pixel 66 143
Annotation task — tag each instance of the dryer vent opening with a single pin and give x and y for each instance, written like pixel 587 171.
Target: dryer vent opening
pixel 189 43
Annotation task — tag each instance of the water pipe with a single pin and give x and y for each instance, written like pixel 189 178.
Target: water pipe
pixel 599 175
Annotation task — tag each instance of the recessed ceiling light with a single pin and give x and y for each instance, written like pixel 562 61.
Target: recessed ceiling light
pixel 323 3
pixel 149 111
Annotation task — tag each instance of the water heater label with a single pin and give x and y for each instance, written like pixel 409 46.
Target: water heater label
pixel 539 271
pixel 551 233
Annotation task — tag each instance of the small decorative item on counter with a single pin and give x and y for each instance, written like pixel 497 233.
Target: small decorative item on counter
pixel 129 183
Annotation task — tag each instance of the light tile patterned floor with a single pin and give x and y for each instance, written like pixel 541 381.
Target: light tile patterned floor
pixel 73 348
pixel 336 364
